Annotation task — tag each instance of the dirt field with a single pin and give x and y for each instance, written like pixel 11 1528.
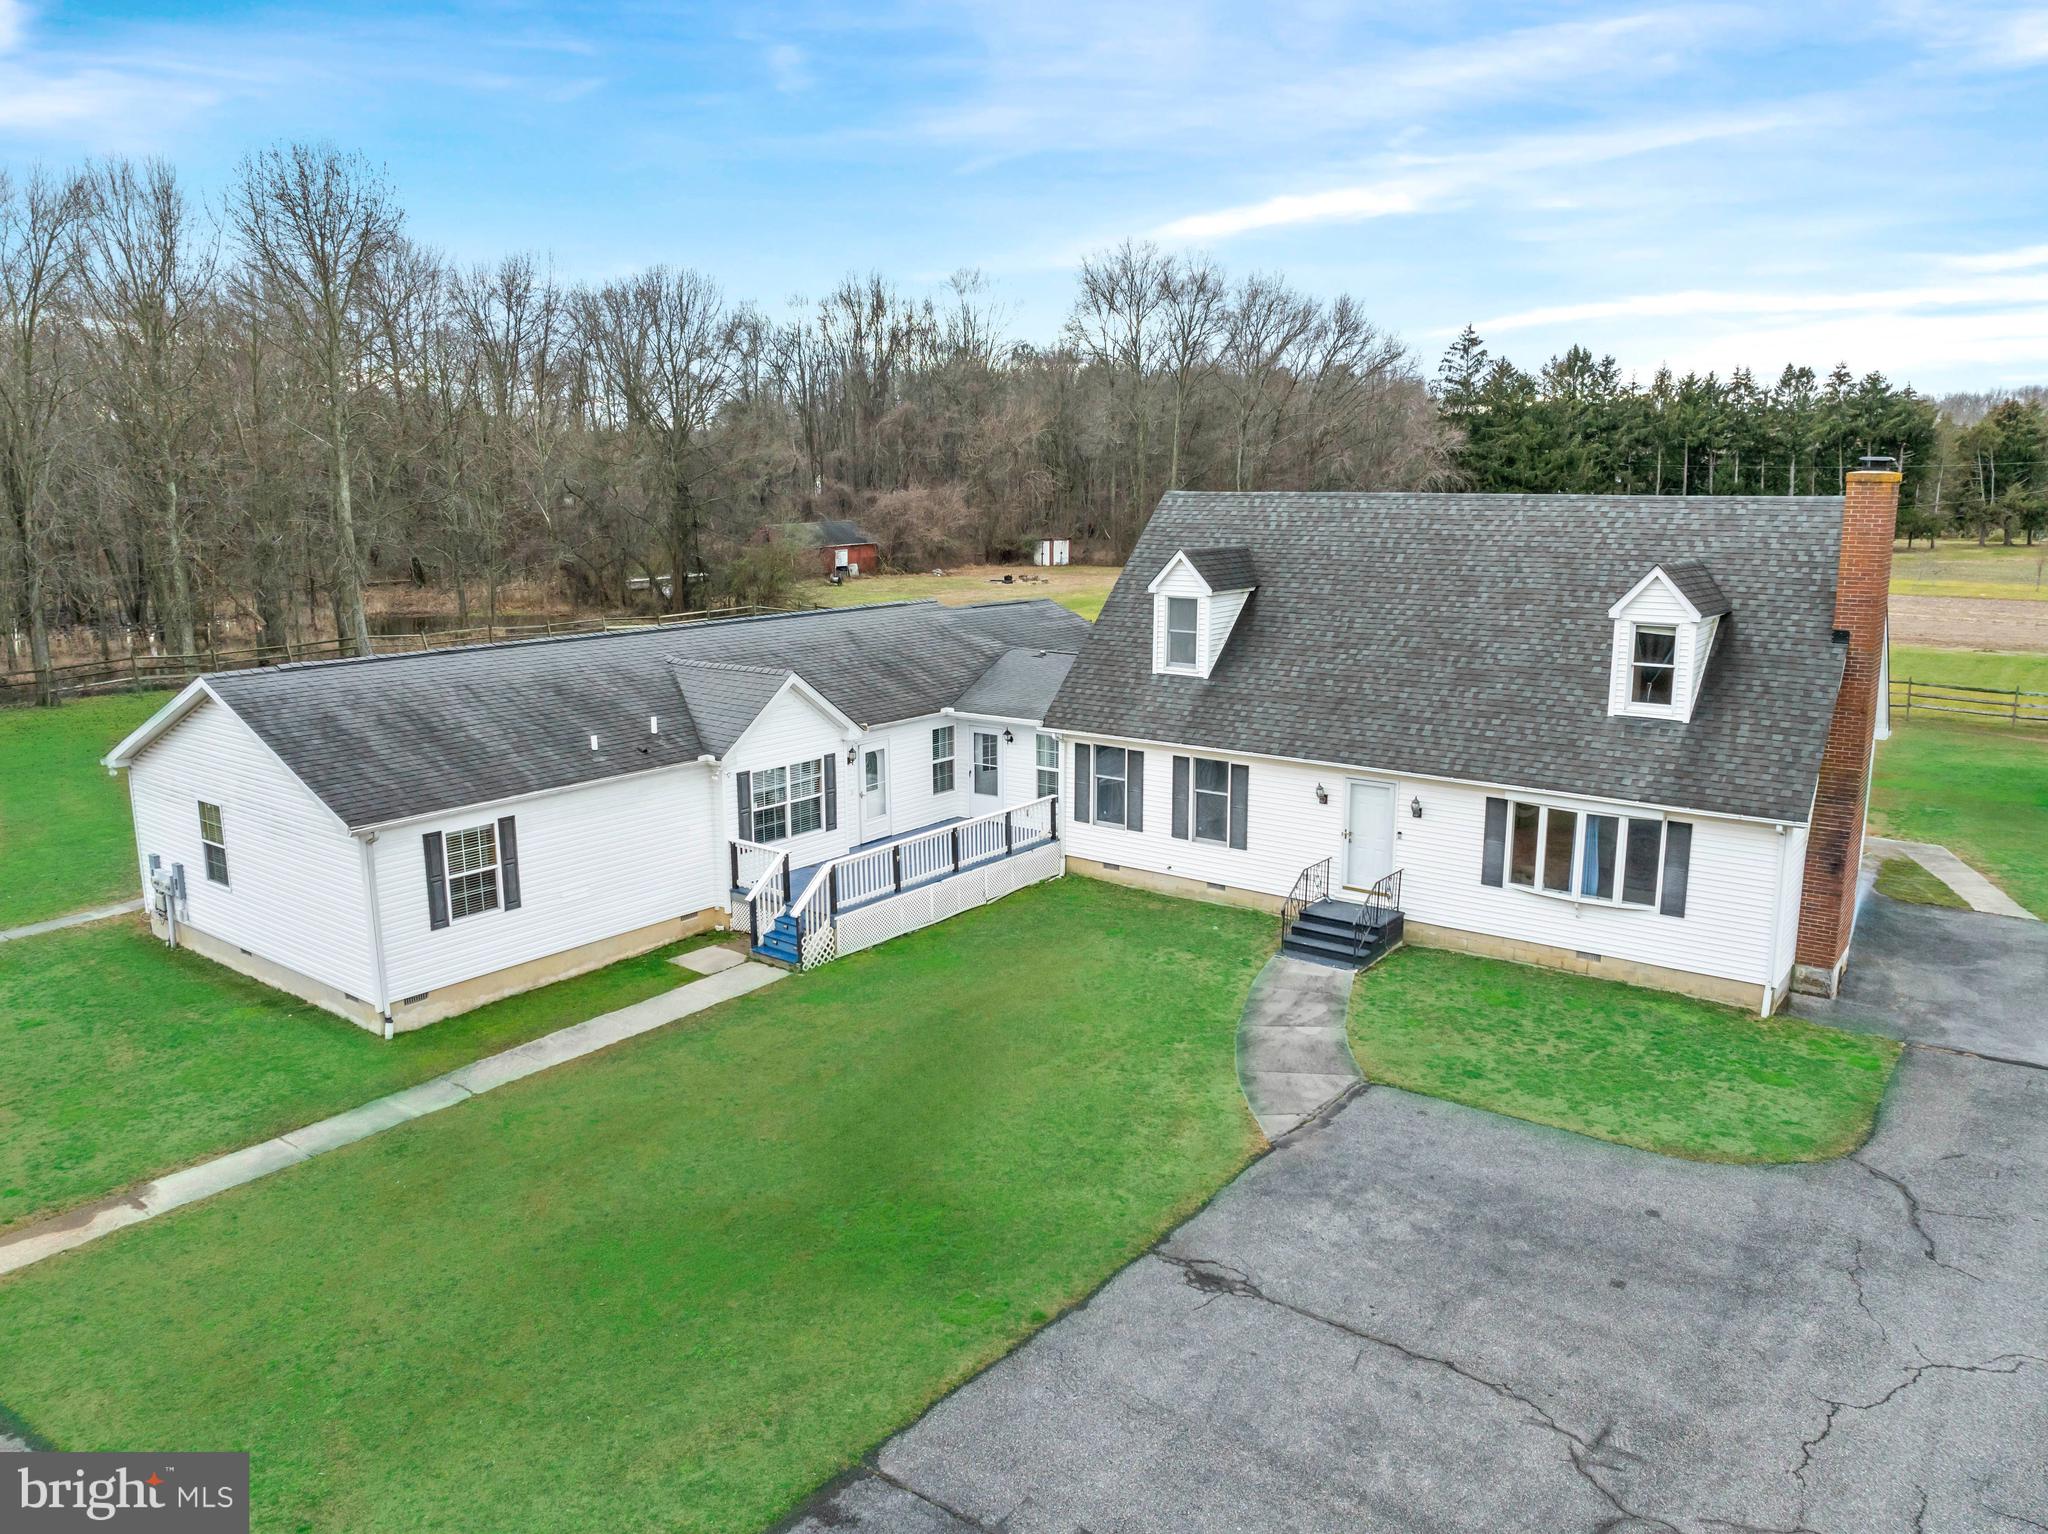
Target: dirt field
pixel 1969 623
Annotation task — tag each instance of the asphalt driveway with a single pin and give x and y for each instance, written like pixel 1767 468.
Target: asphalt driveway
pixel 1952 979
pixel 1415 1316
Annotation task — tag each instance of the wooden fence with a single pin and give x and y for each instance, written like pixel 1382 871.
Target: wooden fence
pixel 136 672
pixel 2000 705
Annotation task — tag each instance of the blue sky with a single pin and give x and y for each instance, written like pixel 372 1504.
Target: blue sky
pixel 1695 184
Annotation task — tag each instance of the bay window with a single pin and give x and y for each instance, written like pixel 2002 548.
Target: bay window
pixel 1583 856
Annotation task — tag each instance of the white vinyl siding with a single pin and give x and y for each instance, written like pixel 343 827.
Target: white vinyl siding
pixel 297 898
pixel 790 730
pixel 594 862
pixel 1726 931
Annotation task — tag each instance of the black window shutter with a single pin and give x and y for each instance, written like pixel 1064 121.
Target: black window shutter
pixel 1134 790
pixel 437 880
pixel 1677 865
pixel 1492 866
pixel 1240 804
pixel 1084 785
pixel 1181 770
pixel 831 792
pixel 508 863
pixel 746 821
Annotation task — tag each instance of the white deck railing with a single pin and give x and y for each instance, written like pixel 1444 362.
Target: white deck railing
pixel 767 892
pixel 871 874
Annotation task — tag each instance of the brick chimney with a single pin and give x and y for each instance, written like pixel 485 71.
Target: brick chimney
pixel 1834 847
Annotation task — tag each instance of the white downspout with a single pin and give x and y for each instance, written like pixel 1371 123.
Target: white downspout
pixel 382 985
pixel 1777 927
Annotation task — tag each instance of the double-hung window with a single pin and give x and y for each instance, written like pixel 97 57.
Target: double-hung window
pixel 1212 801
pixel 473 870
pixel 942 759
pixel 214 841
pixel 1111 785
pixel 789 801
pixel 1583 856
pixel 1653 667
pixel 1180 631
pixel 1048 766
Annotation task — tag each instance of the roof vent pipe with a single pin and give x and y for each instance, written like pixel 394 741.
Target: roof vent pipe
pixel 654 724
pixel 593 742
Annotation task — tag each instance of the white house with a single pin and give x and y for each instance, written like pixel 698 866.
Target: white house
pixel 1625 735
pixel 399 838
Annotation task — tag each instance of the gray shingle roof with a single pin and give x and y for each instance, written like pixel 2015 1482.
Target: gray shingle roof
pixel 1226 569
pixel 1697 585
pixel 1020 684
pixel 389 737
pixel 1466 636
pixel 724 699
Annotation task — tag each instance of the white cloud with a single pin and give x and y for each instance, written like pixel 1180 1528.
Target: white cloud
pixel 2001 260
pixel 1431 183
pixel 788 68
pixel 1697 303
pixel 13 23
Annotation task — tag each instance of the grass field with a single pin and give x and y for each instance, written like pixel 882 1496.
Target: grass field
pixel 1961 569
pixel 681 1283
pixel 65 837
pixel 1970 668
pixel 1980 790
pixel 121 1059
pixel 1644 1068
pixel 1079 587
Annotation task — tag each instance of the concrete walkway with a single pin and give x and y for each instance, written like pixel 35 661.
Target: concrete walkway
pixel 74 1228
pixel 1951 870
pixel 75 919
pixel 1293 1057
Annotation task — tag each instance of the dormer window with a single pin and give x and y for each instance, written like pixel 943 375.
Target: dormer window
pixel 1664 633
pixel 1655 667
pixel 1197 598
pixel 1182 633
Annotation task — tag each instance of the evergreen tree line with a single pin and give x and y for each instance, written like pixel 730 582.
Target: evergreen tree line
pixel 229 422
pixel 1974 465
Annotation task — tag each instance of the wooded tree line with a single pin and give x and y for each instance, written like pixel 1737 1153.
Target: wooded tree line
pixel 1975 465
pixel 243 414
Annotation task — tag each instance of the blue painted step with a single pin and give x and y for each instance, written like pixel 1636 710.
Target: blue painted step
pixel 780 941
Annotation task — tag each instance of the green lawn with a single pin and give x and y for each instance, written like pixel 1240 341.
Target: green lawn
pixel 1978 790
pixel 1644 1068
pixel 1904 879
pixel 65 837
pixel 2026 670
pixel 681 1283
pixel 121 1059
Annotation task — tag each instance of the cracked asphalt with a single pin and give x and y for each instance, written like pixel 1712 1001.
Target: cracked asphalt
pixel 1415 1316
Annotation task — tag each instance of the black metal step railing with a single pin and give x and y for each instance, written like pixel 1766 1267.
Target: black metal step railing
pixel 1310 885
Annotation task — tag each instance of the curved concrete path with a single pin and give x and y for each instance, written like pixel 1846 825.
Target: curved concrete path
pixel 1293 1058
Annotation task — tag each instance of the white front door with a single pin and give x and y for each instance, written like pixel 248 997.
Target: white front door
pixel 874 792
pixel 987 769
pixel 1368 834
